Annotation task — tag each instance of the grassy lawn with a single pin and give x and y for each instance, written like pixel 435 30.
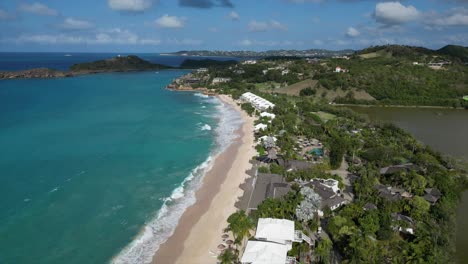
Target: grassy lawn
pixel 325 116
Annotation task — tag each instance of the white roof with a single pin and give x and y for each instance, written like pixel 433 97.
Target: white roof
pixel 260 252
pixel 266 114
pixel 278 230
pixel 260 127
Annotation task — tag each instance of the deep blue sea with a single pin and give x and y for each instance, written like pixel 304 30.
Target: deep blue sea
pixel 14 61
pixel 99 168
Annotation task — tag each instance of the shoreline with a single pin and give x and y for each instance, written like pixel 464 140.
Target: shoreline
pixel 200 228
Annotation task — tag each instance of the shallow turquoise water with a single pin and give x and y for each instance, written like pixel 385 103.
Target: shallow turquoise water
pixel 86 162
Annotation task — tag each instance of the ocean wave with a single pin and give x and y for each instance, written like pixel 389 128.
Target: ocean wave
pixel 158 230
pixel 206 127
pixel 201 95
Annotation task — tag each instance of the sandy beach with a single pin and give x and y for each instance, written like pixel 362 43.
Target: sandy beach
pixel 199 230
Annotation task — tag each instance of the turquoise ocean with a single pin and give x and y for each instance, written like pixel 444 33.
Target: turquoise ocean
pixel 99 168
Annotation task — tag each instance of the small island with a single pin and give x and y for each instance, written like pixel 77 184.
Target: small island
pixel 129 63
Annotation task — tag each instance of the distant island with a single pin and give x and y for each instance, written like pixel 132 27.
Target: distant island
pixel 129 63
pixel 258 54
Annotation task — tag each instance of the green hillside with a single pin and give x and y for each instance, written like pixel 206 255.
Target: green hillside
pixel 398 75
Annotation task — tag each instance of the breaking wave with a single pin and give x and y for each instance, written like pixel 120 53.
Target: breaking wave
pixel 158 230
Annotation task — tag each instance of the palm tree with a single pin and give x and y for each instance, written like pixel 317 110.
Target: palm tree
pixel 239 224
pixel 228 257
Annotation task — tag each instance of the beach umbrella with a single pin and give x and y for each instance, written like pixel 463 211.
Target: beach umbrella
pixel 229 242
pixel 221 246
pixel 225 236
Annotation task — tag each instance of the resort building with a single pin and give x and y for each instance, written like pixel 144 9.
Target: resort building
pixel 274 238
pixel 218 80
pixel 269 115
pixel 339 69
pixel 284 72
pixel 202 70
pixel 260 127
pixel 249 62
pixel 329 193
pixel 258 102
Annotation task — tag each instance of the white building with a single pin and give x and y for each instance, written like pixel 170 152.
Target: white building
pixel 274 240
pixel 269 115
pixel 339 69
pixel 258 102
pixel 276 230
pixel 260 252
pixel 202 70
pixel 220 80
pixel 284 72
pixel 260 127
pixel 250 62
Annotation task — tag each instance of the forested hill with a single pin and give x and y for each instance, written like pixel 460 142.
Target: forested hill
pixel 400 75
pixel 193 64
pixel 127 63
pixel 455 51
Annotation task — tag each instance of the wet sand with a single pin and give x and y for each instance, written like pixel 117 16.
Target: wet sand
pixel 199 230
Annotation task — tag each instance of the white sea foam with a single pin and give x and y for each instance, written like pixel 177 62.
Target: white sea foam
pixel 201 95
pixel 158 230
pixel 206 127
pixel 54 190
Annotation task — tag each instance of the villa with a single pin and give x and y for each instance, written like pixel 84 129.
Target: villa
pixel 218 80
pixel 269 115
pixel 258 102
pixel 260 127
pixel 328 191
pixel 249 62
pixel 274 238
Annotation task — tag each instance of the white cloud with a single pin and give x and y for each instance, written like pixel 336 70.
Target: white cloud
pixel 167 21
pixel 114 36
pixel 277 25
pixel 234 16
pixel 268 43
pixel 75 24
pixel 317 42
pixel 133 6
pixel 258 26
pixel 352 32
pixel 38 9
pixel 185 42
pixel 394 13
pixel 4 15
pixel 456 17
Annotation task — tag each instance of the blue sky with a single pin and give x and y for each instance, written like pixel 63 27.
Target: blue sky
pixel 172 25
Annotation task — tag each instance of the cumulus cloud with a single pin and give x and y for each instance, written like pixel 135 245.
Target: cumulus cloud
pixel 455 17
pixel 75 24
pixel 206 3
pixel 394 13
pixel 234 16
pixel 38 9
pixel 352 32
pixel 114 36
pixel 258 26
pixel 167 21
pixel 132 6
